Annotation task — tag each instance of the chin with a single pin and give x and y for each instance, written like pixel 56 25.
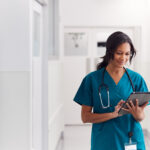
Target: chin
pixel 120 66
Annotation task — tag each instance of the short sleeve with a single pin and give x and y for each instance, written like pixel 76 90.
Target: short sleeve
pixel 142 87
pixel 84 93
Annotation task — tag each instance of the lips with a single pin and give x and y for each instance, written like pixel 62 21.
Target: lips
pixel 121 63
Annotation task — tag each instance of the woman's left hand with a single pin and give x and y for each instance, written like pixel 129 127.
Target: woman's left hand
pixel 136 110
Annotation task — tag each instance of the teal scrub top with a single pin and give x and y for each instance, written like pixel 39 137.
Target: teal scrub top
pixel 112 134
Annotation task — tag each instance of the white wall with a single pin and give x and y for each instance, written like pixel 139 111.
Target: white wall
pixel 14 111
pixel 55 103
pixel 74 69
pixel 14 37
pixel 14 75
pixel 106 13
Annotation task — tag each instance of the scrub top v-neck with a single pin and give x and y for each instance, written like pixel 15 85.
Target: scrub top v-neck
pixel 106 72
pixel 112 134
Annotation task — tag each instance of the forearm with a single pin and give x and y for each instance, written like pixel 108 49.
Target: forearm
pixel 90 117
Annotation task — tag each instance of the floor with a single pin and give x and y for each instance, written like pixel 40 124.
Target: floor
pixel 75 138
pixel 78 138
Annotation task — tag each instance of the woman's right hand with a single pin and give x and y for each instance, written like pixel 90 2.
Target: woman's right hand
pixel 89 117
pixel 117 108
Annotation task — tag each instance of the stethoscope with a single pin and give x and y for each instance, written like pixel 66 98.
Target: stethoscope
pixel 107 88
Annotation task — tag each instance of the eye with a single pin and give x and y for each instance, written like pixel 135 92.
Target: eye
pixel 128 54
pixel 118 53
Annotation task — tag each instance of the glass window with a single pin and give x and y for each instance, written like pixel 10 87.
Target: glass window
pixel 53 21
pixel 36 34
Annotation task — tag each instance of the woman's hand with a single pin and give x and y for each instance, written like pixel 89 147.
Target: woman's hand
pixel 117 108
pixel 136 110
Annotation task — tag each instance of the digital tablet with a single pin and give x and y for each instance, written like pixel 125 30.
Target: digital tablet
pixel 142 97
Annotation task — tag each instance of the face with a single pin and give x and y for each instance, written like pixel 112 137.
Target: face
pixel 121 55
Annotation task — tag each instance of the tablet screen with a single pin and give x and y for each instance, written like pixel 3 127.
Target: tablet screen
pixel 142 97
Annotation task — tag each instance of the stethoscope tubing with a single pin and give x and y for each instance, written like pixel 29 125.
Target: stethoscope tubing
pixel 107 88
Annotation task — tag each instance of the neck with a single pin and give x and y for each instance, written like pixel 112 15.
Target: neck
pixel 113 69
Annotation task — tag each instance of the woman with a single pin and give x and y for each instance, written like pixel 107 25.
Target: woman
pixel 105 90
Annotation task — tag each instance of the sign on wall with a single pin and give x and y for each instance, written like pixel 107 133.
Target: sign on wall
pixel 75 43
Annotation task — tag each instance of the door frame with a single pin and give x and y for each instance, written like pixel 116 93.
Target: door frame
pixel 38 134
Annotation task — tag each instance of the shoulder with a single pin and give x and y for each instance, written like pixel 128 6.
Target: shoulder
pixel 94 75
pixel 133 74
pixel 138 81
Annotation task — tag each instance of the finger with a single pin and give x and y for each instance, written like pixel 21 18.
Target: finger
pixel 137 102
pixel 117 108
pixel 125 109
pixel 129 107
pixel 120 102
pixel 131 104
pixel 144 105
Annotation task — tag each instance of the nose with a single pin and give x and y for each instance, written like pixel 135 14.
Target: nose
pixel 123 57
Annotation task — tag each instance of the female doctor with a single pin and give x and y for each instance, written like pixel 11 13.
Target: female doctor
pixel 102 93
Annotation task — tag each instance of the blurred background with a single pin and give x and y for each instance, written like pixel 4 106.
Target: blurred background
pixel 46 48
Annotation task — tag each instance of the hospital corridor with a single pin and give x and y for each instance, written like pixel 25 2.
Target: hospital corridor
pixel 74 139
pixel 65 74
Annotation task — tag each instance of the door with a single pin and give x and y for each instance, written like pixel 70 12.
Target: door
pixel 36 74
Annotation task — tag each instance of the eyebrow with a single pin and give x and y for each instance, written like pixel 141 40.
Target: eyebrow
pixel 122 52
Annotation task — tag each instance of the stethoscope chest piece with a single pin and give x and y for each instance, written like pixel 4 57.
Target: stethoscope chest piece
pixel 100 96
